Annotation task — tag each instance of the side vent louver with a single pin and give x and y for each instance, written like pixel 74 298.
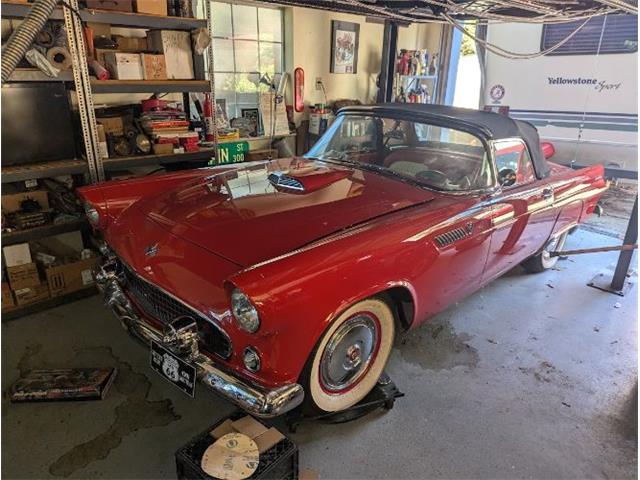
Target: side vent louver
pixel 281 180
pixel 447 238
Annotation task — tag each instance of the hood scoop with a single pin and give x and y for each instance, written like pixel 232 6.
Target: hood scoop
pixel 285 182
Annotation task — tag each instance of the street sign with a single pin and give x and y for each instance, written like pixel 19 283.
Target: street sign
pixel 231 153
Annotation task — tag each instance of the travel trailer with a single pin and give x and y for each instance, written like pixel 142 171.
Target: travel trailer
pixel 583 97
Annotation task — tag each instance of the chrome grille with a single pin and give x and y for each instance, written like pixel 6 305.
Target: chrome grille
pixel 447 238
pixel 164 308
pixel 279 179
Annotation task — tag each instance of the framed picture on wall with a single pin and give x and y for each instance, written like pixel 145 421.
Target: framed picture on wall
pixel 344 46
pixel 253 114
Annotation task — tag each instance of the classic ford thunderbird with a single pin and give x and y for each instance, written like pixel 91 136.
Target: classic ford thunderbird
pixel 283 283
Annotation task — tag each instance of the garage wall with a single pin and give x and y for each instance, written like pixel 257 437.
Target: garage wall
pixel 308 45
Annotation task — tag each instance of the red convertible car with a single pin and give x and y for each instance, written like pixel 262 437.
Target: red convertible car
pixel 284 282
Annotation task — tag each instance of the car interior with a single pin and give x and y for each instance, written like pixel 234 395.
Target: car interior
pixel 438 157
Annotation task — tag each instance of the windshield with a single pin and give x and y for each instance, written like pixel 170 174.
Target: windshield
pixel 436 157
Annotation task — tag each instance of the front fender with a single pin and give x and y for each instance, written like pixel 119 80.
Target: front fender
pixel 114 197
pixel 300 294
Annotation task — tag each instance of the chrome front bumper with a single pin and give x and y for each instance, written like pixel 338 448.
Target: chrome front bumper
pixel 181 338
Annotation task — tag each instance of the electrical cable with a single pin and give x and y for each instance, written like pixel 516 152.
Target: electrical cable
pixel 513 55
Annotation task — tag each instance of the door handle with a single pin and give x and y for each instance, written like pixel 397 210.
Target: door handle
pixel 547 192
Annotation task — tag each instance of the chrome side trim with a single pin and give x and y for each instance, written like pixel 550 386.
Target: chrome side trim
pixel 181 340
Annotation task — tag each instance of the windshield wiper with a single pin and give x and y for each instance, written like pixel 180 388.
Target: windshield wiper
pixel 390 173
pixel 377 169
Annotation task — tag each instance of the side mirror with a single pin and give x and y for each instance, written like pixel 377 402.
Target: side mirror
pixel 548 149
pixel 507 177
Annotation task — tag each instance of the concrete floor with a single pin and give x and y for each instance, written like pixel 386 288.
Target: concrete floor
pixel 533 377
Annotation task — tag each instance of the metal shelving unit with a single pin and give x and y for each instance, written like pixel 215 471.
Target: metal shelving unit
pixel 149 86
pixel 28 235
pixel 19 173
pixel 47 304
pixel 85 86
pixel 114 18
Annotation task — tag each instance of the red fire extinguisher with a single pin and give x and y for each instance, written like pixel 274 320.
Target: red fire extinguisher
pixel 298 77
pixel 208 117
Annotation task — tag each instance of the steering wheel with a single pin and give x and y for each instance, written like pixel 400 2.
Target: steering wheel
pixel 433 176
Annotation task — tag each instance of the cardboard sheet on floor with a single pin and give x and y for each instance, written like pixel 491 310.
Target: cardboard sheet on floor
pixel 63 384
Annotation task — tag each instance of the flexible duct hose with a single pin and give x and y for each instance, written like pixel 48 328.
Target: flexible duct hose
pixel 23 36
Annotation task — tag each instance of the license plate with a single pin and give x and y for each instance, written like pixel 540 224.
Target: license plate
pixel 173 368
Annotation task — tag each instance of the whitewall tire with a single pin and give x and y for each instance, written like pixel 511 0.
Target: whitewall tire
pixel 350 357
pixel 543 261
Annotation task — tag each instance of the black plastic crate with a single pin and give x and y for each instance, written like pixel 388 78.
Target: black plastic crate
pixel 280 462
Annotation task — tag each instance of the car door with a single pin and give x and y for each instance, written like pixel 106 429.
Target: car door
pixel 523 214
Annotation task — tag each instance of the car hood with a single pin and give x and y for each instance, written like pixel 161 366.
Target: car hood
pixel 257 212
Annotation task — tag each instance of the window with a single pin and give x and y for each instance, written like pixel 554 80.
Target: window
pixel 247 43
pixel 605 34
pixel 513 155
pixel 436 157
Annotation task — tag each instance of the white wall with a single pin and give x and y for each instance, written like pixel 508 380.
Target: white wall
pixel 308 45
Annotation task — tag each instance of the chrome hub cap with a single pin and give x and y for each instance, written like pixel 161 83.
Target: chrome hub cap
pixel 554 245
pixel 349 352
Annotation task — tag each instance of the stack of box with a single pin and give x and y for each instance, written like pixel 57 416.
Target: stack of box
pixel 24 280
pixel 49 267
pixel 162 55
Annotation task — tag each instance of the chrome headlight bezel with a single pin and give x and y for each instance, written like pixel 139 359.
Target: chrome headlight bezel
pixel 244 311
pixel 92 213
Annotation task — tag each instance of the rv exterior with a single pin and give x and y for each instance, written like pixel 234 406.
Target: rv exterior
pixel 583 97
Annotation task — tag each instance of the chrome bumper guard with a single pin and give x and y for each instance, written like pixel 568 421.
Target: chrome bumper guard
pixel 181 337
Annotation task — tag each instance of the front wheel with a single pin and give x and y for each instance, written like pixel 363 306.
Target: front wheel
pixel 544 261
pixel 349 359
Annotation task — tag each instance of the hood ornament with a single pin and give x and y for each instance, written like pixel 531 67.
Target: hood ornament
pixel 151 250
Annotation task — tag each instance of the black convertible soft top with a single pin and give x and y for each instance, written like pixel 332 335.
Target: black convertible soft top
pixel 488 125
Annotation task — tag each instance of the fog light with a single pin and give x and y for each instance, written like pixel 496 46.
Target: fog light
pixel 251 359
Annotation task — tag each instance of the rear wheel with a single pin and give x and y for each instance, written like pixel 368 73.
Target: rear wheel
pixel 544 261
pixel 350 357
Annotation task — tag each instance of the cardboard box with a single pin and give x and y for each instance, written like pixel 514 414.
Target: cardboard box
pixel 8 302
pixel 124 66
pixel 15 255
pixel 119 5
pixel 176 47
pixel 23 276
pixel 131 44
pixel 70 277
pixel 29 295
pixel 11 203
pixel 264 437
pixel 103 147
pixel 153 66
pixel 112 125
pixel 100 54
pixel 153 7
pixel 162 148
pixel 100 29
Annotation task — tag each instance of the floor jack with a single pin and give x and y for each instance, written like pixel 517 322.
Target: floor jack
pixel 383 395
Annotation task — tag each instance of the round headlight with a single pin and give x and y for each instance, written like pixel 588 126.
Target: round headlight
pixel 251 359
pixel 244 311
pixel 92 214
